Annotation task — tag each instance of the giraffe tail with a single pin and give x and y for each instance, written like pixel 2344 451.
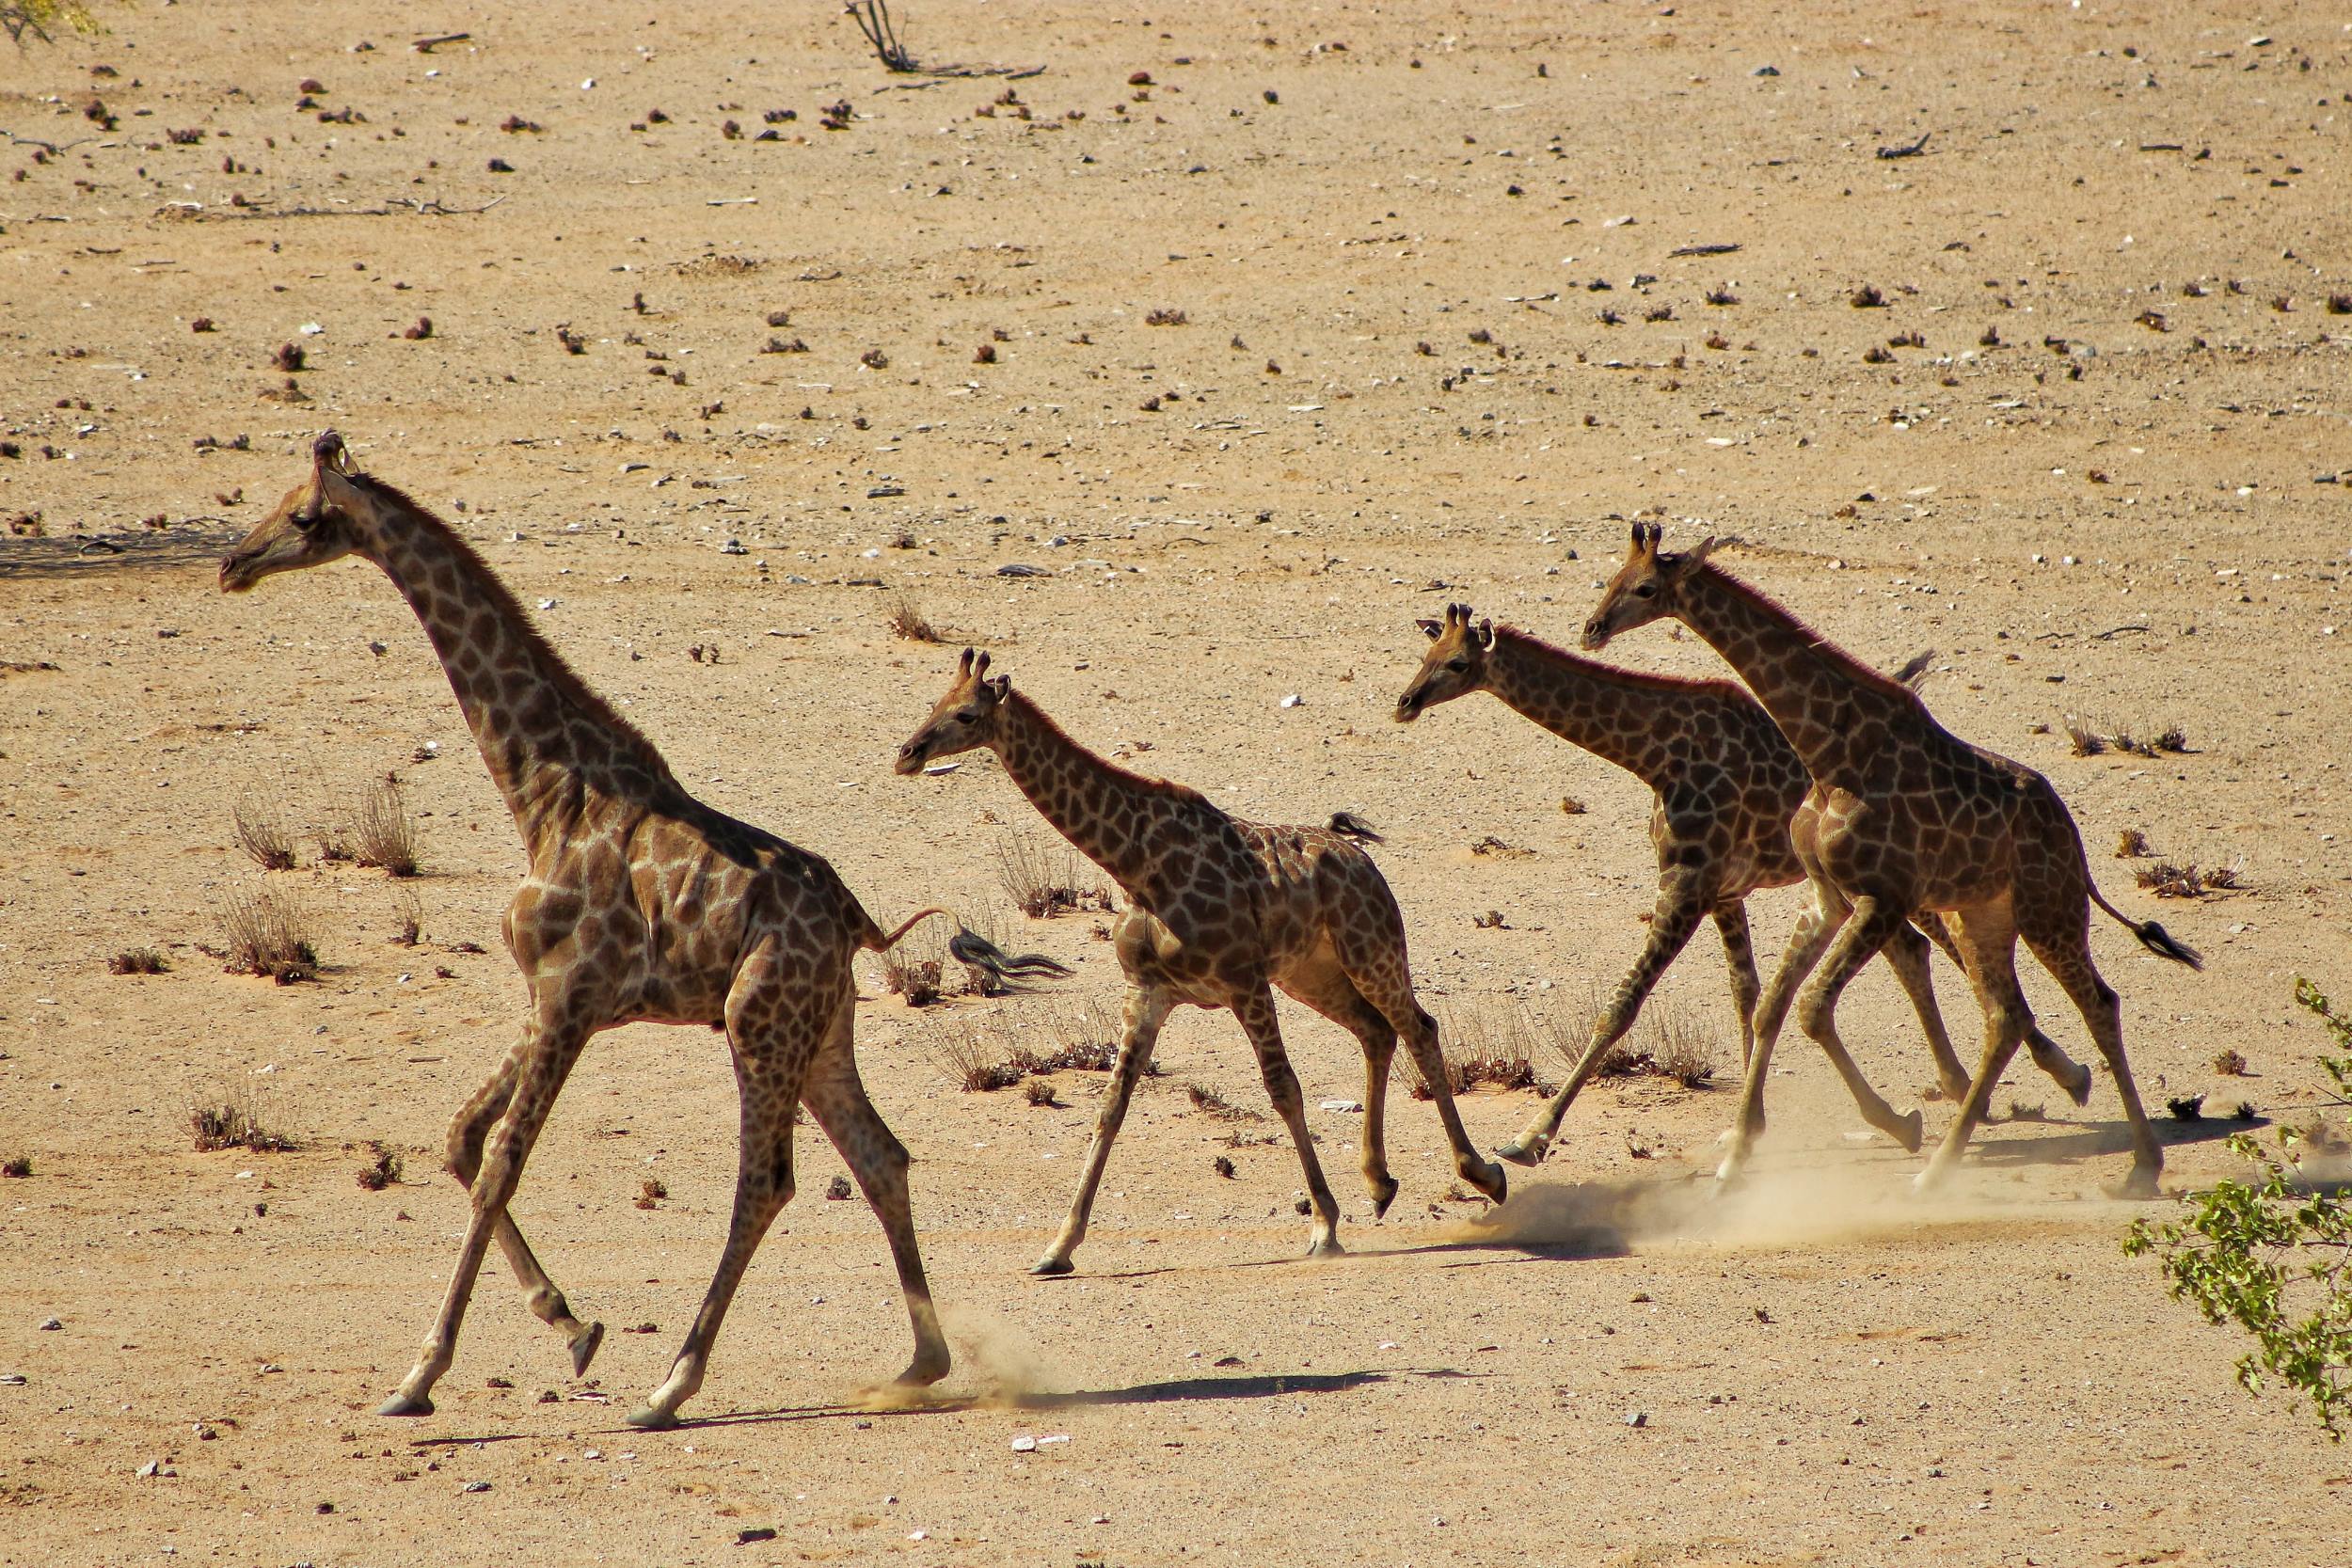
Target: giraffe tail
pixel 1348 825
pixel 2155 937
pixel 877 941
pixel 998 971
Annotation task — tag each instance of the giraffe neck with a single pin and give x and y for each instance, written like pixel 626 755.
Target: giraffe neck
pixel 548 740
pixel 1612 713
pixel 1819 694
pixel 1116 818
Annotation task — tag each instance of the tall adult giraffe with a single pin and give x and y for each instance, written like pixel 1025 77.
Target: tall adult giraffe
pixel 641 904
pixel 1910 820
pixel 1724 783
pixel 1219 910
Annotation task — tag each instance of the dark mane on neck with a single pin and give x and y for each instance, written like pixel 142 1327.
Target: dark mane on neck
pixel 1861 673
pixel 1125 776
pixel 1614 674
pixel 489 588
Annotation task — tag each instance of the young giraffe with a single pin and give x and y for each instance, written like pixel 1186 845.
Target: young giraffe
pixel 1217 911
pixel 641 904
pixel 1910 819
pixel 1725 783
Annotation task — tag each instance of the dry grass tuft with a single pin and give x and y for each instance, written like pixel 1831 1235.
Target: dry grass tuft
pixel 651 1192
pixel 1680 1048
pixel 262 833
pixel 267 935
pixel 1040 1092
pixel 387 833
pixel 2230 1064
pixel 2168 880
pixel 408 916
pixel 2087 742
pixel 17 1166
pixel 1205 1098
pixel 2132 844
pixel 908 622
pixel 1085 1039
pixel 136 960
pixel 1482 1044
pixel 839 1190
pixel 382 1171
pixel 1166 316
pixel 2187 1108
pixel 1045 879
pixel 974 1058
pixel 232 1122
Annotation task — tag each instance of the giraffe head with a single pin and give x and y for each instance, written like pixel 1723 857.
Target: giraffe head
pixel 1648 587
pixel 963 719
pixel 311 525
pixel 1455 663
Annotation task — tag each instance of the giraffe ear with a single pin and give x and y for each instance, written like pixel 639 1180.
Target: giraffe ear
pixel 328 452
pixel 1432 630
pixel 1708 547
pixel 1485 637
pixel 1001 686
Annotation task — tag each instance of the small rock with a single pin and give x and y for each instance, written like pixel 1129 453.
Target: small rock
pixel 51 1324
pixel 476 1486
pixel 1020 569
pixel 1764 71
pixel 1025 1444
pixel 1637 1417
pixel 733 547
pixel 1294 700
pixel 759 1532
pixel 1344 1106
pixel 12 1380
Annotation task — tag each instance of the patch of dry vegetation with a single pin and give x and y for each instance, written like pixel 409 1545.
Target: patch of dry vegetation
pixel 1482 1044
pixel 232 1122
pixel 1044 878
pixel 381 1171
pixel 2168 880
pixel 386 832
pixel 267 935
pixel 260 833
pixel 137 960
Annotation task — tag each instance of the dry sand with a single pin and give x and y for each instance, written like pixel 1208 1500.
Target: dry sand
pixel 2110 518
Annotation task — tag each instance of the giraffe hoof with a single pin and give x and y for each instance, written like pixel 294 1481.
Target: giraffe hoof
pixel 927 1367
pixel 1327 1246
pixel 2078 1087
pixel 403 1405
pixel 1906 1131
pixel 584 1345
pixel 652 1419
pixel 1522 1153
pixel 1050 1265
pixel 1930 1180
pixel 2139 1186
pixel 1383 1193
pixel 1493 1181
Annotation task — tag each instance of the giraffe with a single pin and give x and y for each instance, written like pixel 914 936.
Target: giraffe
pixel 641 904
pixel 1219 910
pixel 1725 783
pixel 1909 818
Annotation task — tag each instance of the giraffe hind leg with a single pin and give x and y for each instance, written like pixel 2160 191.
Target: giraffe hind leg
pixel 2067 958
pixel 1255 1009
pixel 1327 989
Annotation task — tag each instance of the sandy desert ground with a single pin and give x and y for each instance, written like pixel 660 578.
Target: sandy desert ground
pixel 716 401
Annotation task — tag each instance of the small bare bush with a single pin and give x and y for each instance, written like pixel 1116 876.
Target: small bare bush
pixel 1040 1092
pixel 975 1058
pixel 17 1166
pixel 386 832
pixel 262 833
pixel 1207 1099
pixel 1680 1048
pixel 2168 880
pixel 136 960
pixel 839 1190
pixel 2087 742
pixel 2131 844
pixel 381 1171
pixel 907 620
pixel 1166 316
pixel 1482 1044
pixel 267 935
pixel 232 1122
pixel 2230 1064
pixel 409 919
pixel 1085 1039
pixel 1046 879
pixel 650 1193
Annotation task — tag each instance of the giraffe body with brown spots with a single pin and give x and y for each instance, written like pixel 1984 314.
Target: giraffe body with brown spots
pixel 641 904
pixel 1220 911
pixel 1725 783
pixel 1909 820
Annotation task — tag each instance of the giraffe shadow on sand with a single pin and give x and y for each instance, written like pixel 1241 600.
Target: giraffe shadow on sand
pixel 1258 1386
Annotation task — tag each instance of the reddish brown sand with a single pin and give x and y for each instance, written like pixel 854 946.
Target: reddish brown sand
pixel 2110 518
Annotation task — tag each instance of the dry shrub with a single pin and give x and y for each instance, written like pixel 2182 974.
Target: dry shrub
pixel 267 935
pixel 975 1058
pixel 232 1122
pixel 409 917
pixel 1166 316
pixel 1043 877
pixel 2168 880
pixel 386 832
pixel 1205 1098
pixel 650 1191
pixel 17 1166
pixel 381 1172
pixel 2187 1108
pixel 1040 1093
pixel 907 620
pixel 1483 1044
pixel 2131 844
pixel 2088 741
pixel 837 1190
pixel 136 960
pixel 262 833
pixel 1085 1039
pixel 915 968
pixel 2230 1064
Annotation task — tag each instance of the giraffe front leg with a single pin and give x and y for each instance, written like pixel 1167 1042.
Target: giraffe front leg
pixel 1146 1007
pixel 1872 923
pixel 1681 905
pixel 1255 1008
pixel 1806 944
pixel 545 1058
pixel 1731 923
pixel 1906 953
pixel 462 1153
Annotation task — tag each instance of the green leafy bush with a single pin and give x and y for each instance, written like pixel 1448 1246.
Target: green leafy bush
pixel 2273 1254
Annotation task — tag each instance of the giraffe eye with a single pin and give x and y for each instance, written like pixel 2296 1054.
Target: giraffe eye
pixel 1457 665
pixel 1644 589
